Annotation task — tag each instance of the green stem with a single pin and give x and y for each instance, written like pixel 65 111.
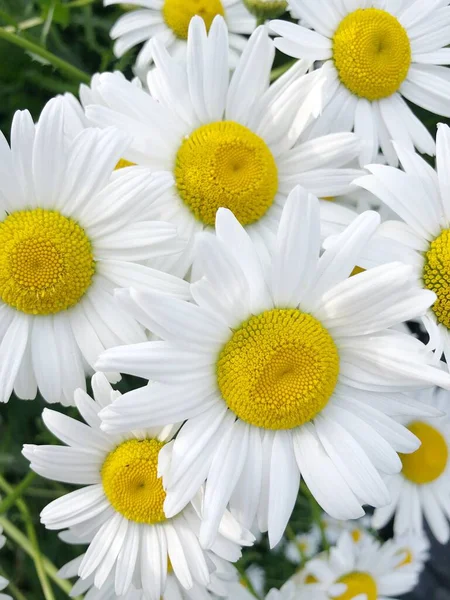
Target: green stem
pixel 54 60
pixel 17 492
pixel 12 588
pixel 21 540
pixel 279 71
pixel 245 579
pixel 317 516
pixel 291 535
pixel 31 532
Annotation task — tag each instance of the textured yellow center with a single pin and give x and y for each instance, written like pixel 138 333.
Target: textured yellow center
pixel 408 558
pixel 124 163
pixel 372 53
pixel 358 583
pixel 428 462
pixel 131 483
pixel 46 261
pixel 178 14
pixel 224 164
pixel 279 369
pixel 436 275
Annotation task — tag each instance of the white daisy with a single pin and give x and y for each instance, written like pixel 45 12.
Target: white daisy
pixel 375 55
pixel 422 489
pixel 70 235
pixel 413 552
pixel 226 143
pixel 420 197
pixel 222 577
pixel 168 22
pixel 289 591
pixel 3 582
pixel 305 545
pixel 293 366
pixel 357 528
pixel 121 503
pixel 366 572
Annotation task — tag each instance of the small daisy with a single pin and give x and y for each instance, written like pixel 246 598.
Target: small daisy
pixel 357 528
pixel 121 503
pixel 422 489
pixel 290 363
pixel 413 552
pixel 3 582
pixel 375 55
pixel 221 579
pixel 69 235
pixel 168 22
pixel 226 143
pixel 306 545
pixel 369 571
pixel 289 591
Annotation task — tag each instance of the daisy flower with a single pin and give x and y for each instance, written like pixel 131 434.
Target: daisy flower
pixel 3 582
pixel 422 489
pixel 369 571
pixel 357 528
pixel 375 55
pixel 413 552
pixel 121 503
pixel 282 363
pixel 168 22
pixel 69 235
pixel 226 143
pixel 422 236
pixel 289 591
pixel 306 545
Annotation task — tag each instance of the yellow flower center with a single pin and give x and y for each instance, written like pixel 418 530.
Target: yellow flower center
pixel 356 535
pixel 131 483
pixel 436 275
pixel 46 261
pixel 372 53
pixel 224 164
pixel 279 369
pixel 408 558
pixel 178 14
pixel 310 579
pixel 124 163
pixel 428 462
pixel 358 583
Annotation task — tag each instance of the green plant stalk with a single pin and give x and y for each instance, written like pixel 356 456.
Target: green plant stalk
pixel 247 582
pixel 279 71
pixel 317 514
pixel 31 532
pixel 13 589
pixel 17 492
pixel 21 540
pixel 59 63
pixel 291 535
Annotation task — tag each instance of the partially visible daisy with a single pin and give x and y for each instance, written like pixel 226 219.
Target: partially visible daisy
pixel 168 22
pixel 420 197
pixel 288 362
pixel 3 582
pixel 368 571
pixel 413 551
pixel 305 545
pixel 226 143
pixel 289 591
pixel 266 9
pixel 375 55
pixel 422 489
pixel 121 503
pixel 70 234
pixel 357 528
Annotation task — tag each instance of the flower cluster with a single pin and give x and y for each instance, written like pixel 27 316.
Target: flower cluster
pixel 251 243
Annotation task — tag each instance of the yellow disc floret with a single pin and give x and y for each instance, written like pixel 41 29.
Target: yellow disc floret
pixel 224 164
pixel 358 584
pixel 131 483
pixel 372 53
pixel 123 163
pixel 46 261
pixel 279 369
pixel 428 462
pixel 436 275
pixel 178 14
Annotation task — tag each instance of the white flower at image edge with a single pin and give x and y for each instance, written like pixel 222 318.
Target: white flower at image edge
pixel 120 506
pixel 168 22
pixel 3 582
pixel 71 232
pixel 227 141
pixel 291 363
pixel 374 56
